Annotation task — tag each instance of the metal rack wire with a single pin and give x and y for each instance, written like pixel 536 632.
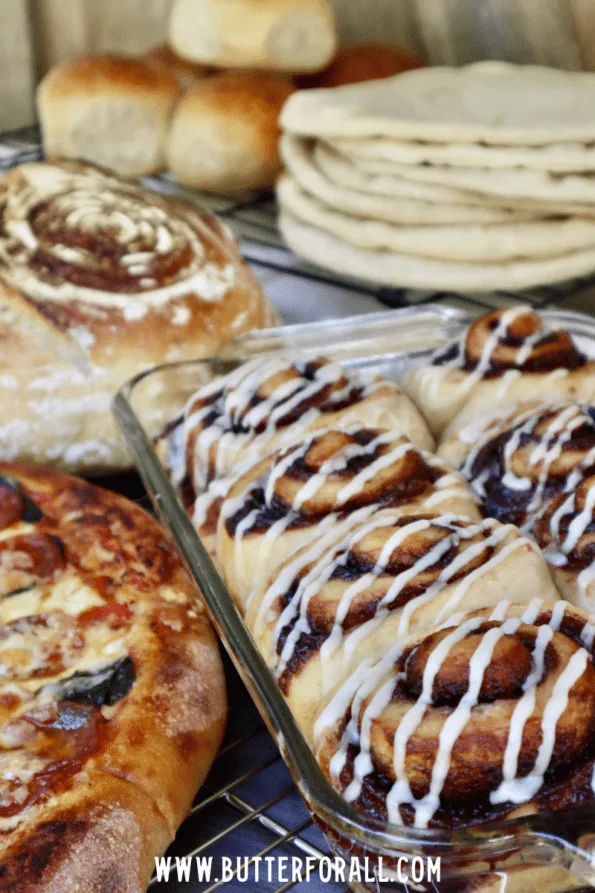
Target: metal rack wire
pixel 248 807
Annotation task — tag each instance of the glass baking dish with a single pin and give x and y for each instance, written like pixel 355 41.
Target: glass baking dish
pixel 553 851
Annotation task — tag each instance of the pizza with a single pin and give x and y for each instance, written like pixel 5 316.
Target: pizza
pixel 112 695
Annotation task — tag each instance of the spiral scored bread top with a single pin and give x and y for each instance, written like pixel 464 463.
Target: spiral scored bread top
pixel 503 355
pixel 125 279
pixel 489 716
pixel 566 533
pixel 516 464
pixel 72 233
pixel 269 402
pixel 316 485
pixel 344 598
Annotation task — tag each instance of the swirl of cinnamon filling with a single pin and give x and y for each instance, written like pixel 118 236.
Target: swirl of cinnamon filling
pixel 312 486
pixel 267 403
pixel 517 468
pixel 482 718
pixel 511 339
pixel 343 598
pixel 566 533
pixel 71 232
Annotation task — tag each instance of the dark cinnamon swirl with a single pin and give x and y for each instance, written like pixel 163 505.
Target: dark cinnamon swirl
pixel 269 402
pixel 317 485
pixel 123 278
pixel 344 599
pixel 487 717
pixel 518 463
pixel 504 356
pixel 566 533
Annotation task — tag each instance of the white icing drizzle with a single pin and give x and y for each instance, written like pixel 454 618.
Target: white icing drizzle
pixel 491 536
pixel 541 457
pixel 429 378
pixel 260 424
pixel 377 682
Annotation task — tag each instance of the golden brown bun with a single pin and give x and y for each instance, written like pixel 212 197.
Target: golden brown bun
pixel 186 72
pixel 437 721
pixel 505 356
pixel 280 35
pixel 356 62
pixel 111 110
pixel 225 136
pixel 162 283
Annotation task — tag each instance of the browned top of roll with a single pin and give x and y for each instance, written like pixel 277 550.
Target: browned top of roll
pixel 465 722
pixel 120 74
pixel 511 339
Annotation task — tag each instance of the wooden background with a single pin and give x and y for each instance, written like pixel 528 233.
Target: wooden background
pixel 37 33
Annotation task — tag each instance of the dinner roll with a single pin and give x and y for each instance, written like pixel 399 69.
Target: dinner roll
pixel 356 62
pixel 224 136
pixel 283 35
pixel 187 73
pixel 111 110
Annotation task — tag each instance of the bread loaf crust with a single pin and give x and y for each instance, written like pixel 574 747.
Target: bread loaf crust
pixel 109 110
pixel 225 136
pixel 282 35
pixel 114 279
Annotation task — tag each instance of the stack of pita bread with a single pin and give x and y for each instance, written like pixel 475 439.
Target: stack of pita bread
pixel 472 179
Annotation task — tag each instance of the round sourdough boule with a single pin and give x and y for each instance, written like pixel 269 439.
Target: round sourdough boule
pixel 100 280
pixel 110 110
pixel 112 696
pixel 225 136
pixel 280 35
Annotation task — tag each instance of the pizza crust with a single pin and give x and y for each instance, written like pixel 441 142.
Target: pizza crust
pixel 102 825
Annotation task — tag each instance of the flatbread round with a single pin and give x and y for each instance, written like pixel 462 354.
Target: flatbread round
pixel 558 157
pixel 298 157
pixel 496 102
pixel 467 243
pixel 515 184
pixel 379 178
pixel 405 271
pixel 112 696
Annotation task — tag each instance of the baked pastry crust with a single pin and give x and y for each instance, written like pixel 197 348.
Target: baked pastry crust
pixel 113 279
pixel 112 705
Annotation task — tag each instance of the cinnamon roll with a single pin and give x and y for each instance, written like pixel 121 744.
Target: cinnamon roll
pixel 318 484
pixel 267 403
pixel 339 602
pixel 504 356
pixel 517 463
pixel 116 279
pixel 486 717
pixel 566 533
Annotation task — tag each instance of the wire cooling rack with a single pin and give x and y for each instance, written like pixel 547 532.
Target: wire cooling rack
pixel 248 808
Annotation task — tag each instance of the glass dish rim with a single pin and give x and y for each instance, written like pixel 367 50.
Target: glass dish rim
pixel 326 804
